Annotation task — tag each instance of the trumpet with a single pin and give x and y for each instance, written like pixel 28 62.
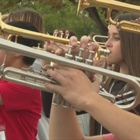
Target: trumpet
pixel 27 77
pixel 37 80
pixel 34 35
pixel 110 5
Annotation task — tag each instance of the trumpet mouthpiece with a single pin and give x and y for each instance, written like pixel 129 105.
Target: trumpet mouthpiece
pixel 105 51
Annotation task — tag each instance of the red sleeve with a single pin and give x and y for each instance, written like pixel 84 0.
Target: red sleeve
pixel 17 97
pixel 109 137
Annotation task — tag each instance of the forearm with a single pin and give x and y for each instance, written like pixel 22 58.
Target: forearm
pixel 64 124
pixel 122 124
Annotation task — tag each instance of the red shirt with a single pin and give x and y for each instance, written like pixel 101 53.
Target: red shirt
pixel 21 110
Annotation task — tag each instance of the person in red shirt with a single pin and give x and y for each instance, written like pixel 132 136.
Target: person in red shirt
pixel 20 106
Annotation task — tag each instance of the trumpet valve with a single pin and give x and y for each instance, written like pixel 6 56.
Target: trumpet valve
pixel 79 58
pixel 69 53
pixel 90 58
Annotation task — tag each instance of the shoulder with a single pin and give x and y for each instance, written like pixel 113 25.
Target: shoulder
pixel 16 87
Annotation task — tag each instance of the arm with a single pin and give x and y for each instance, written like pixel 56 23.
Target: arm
pixel 11 93
pixel 118 121
pixel 69 129
pixel 77 89
pixel 64 124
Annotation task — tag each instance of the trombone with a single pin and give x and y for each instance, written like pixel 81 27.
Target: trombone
pixel 110 5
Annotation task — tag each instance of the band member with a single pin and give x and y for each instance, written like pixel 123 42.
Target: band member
pixel 20 106
pixel 51 46
pixel 35 18
pixel 77 89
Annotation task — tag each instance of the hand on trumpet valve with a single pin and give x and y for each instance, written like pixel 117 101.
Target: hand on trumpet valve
pixel 56 47
pixel 84 46
pixel 61 48
pixel 70 87
pixel 83 51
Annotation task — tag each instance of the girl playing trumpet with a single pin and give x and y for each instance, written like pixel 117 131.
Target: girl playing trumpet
pixel 77 89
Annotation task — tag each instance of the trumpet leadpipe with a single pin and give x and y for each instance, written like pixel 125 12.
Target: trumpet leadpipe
pixel 105 51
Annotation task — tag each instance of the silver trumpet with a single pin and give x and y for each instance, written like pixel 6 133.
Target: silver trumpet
pixel 36 80
pixel 30 78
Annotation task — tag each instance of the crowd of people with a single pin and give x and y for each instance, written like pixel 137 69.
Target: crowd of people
pixel 30 114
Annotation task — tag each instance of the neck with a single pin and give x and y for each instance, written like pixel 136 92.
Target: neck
pixel 123 69
pixel 19 64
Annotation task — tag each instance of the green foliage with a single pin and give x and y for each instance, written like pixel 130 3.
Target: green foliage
pixel 137 2
pixel 67 18
pixel 57 18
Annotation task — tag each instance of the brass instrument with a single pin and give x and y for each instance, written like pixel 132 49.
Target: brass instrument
pixel 27 77
pixel 28 34
pixel 37 80
pixel 110 5
pixel 34 35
